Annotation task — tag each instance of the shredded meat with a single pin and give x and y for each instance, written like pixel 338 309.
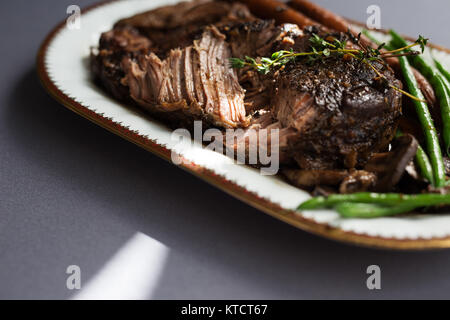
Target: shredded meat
pixel 196 80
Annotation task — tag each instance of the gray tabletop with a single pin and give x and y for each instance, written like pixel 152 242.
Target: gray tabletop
pixel 73 194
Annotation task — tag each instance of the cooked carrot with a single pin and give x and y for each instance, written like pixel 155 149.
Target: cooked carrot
pixel 272 9
pixel 326 17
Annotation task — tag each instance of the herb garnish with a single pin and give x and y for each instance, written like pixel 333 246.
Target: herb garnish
pixel 331 47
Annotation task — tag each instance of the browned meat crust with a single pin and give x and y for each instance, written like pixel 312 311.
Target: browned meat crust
pixel 177 26
pixel 115 45
pixel 342 115
pixel 174 62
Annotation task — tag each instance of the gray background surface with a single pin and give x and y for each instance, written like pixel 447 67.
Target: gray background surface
pixel 72 193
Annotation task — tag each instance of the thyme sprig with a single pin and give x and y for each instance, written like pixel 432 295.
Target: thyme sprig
pixel 331 47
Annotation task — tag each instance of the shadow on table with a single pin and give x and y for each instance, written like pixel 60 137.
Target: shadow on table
pixel 219 247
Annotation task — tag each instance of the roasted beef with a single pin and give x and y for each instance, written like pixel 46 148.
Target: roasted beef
pixel 115 45
pixel 341 113
pixel 332 114
pixel 259 38
pixel 176 26
pixel 196 82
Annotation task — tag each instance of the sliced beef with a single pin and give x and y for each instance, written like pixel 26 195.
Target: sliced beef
pixel 254 39
pixel 196 82
pixel 258 139
pixel 176 26
pixel 115 45
pixel 341 113
pixel 156 34
pixel 331 115
pixel 259 38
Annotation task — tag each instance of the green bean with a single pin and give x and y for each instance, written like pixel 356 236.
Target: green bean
pixel 442 69
pixel 430 133
pixel 387 199
pixel 422 161
pixel 368 211
pixel 440 84
pixel 421 157
pixel 443 92
pixel 445 73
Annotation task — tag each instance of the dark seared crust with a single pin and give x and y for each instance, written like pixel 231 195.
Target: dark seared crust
pixel 341 112
pixel 160 33
pixel 178 25
pixel 332 114
pixel 259 38
pixel 157 31
pixel 114 46
pixel 254 38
